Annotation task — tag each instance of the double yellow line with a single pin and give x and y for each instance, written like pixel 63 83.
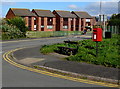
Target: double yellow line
pixel 6 58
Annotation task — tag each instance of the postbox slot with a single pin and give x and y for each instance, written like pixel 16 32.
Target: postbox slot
pixel 95 30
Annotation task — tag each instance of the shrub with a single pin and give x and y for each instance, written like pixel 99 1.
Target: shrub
pixel 10 32
pixel 19 23
pixel 108 52
pixel 50 48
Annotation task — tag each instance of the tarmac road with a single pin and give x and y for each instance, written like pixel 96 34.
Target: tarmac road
pixel 16 77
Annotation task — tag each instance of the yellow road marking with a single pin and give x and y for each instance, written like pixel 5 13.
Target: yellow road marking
pixel 6 58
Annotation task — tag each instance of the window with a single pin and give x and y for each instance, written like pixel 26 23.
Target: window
pixel 65 27
pixel 49 27
pixel 34 27
pixel 49 19
pixel 87 20
pixel 42 21
pixel 71 19
pixel 42 26
pixel 65 19
pixel 34 18
pixel 71 26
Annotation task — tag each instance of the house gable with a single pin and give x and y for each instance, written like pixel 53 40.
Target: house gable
pixel 10 14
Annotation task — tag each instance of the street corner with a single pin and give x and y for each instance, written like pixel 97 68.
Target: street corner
pixel 7 58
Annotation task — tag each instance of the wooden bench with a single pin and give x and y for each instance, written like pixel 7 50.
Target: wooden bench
pixel 67 50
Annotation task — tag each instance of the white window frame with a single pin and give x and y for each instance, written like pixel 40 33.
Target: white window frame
pixel 34 18
pixel 49 27
pixel 65 27
pixel 42 26
pixel 87 20
pixel 35 26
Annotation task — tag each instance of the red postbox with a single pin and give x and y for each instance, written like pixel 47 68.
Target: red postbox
pixel 97 34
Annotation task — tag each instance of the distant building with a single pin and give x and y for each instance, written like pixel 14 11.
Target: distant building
pixel 58 20
pixel 83 20
pixel 24 13
pixel 45 20
pixel 65 20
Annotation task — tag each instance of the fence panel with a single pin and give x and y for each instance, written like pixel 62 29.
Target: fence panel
pixel 37 34
pixel 113 29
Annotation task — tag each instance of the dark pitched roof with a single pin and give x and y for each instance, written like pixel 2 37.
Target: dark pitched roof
pixel 22 12
pixel 65 14
pixel 43 13
pixel 82 14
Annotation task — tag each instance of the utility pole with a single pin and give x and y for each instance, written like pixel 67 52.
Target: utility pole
pixel 100 7
pixel 100 14
pixel 103 19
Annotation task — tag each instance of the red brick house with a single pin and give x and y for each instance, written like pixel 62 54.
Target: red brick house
pixel 24 13
pixel 65 21
pixel 45 20
pixel 83 20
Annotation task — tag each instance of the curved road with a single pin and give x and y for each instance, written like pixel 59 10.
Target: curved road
pixel 16 77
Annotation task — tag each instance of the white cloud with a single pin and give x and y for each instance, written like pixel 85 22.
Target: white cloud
pixel 93 8
pixel 107 8
pixel 74 7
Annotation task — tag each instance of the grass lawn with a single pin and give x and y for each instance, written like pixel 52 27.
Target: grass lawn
pixel 108 52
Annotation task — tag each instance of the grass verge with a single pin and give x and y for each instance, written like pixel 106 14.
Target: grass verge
pixel 108 52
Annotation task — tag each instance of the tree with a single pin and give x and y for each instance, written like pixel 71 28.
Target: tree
pixel 9 31
pixel 19 22
pixel 114 20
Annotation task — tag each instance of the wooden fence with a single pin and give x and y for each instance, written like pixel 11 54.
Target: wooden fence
pixel 113 29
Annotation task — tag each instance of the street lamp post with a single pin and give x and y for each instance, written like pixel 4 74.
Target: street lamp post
pixel 103 19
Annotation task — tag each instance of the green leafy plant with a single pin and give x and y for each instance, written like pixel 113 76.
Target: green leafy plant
pixel 19 23
pixel 10 32
pixel 108 52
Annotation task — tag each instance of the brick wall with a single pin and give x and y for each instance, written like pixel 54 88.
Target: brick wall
pixel 10 14
pixel 26 21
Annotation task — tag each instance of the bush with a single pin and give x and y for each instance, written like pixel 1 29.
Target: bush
pixel 10 32
pixel 114 20
pixel 19 23
pixel 50 48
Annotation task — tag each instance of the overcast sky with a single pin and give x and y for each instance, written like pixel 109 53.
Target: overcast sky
pixel 93 8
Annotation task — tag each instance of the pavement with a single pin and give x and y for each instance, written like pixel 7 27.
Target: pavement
pixel 32 56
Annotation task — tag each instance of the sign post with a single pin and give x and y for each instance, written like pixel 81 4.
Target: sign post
pixel 96 48
pixel 103 19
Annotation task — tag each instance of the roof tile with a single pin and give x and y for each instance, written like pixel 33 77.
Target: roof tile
pixel 81 14
pixel 65 14
pixel 43 13
pixel 22 12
